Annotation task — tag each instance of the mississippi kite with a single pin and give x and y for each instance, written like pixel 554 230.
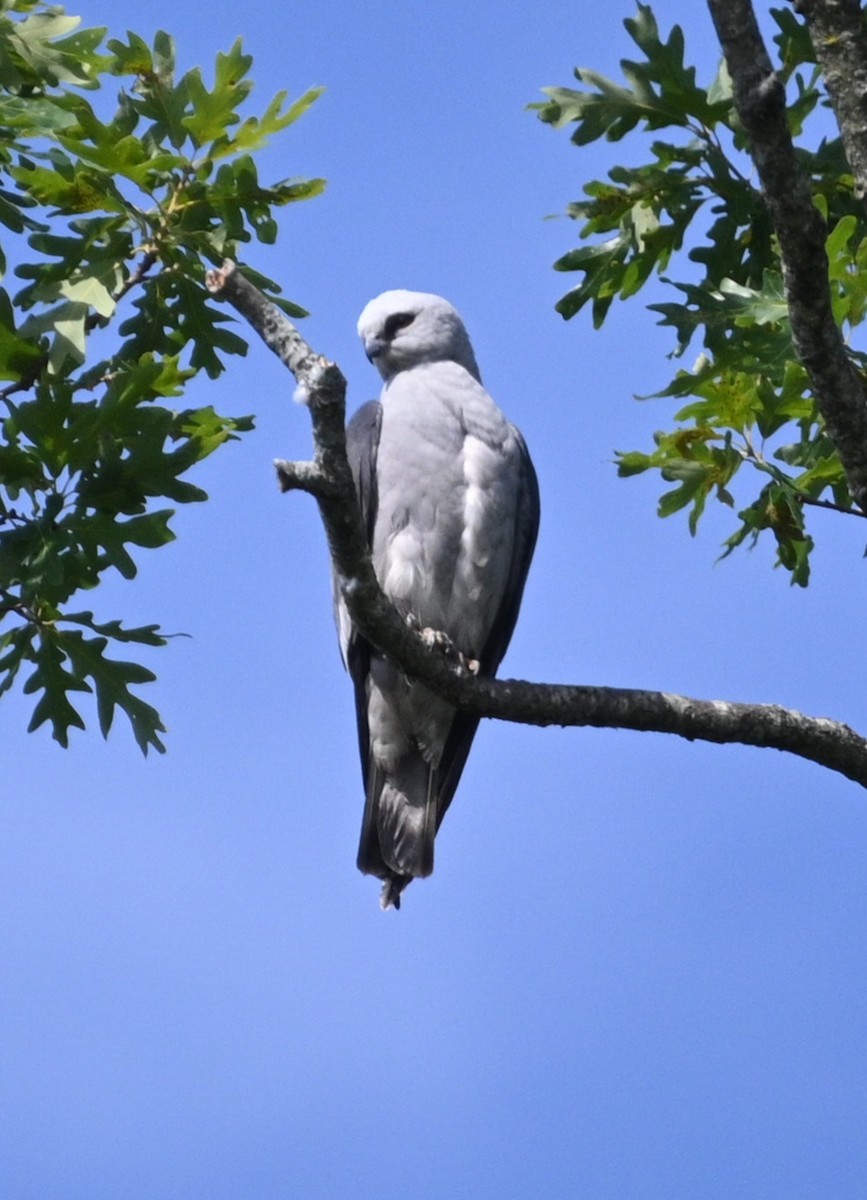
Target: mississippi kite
pixel 451 507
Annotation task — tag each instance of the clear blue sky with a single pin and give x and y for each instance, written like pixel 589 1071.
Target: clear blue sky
pixel 639 969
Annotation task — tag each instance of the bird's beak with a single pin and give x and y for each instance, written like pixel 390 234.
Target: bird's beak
pixel 374 346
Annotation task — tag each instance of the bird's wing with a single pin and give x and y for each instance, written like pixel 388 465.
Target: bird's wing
pixel 526 531
pixel 362 442
pixel 464 726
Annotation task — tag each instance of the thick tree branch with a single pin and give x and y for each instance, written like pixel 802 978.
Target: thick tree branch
pixel 826 742
pixel 761 105
pixel 840 42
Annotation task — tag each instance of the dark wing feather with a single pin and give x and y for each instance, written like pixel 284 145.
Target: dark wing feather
pixel 464 726
pixel 526 532
pixel 362 443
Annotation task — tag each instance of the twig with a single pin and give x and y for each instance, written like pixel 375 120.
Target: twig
pixel 815 502
pixel 751 455
pixel 12 603
pixel 97 320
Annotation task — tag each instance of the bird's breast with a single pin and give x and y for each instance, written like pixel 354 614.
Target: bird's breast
pixel 447 488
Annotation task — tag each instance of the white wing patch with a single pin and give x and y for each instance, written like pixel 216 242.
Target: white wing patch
pixel 485 540
pixel 401 574
pixel 481 465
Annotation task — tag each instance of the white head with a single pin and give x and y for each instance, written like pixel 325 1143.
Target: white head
pixel 403 329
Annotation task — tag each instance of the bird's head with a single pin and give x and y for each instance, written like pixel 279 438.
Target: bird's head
pixel 403 329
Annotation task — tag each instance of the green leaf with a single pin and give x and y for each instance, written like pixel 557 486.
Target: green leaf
pixel 19 355
pixel 747 385
pixel 603 268
pixel 132 57
pixel 255 132
pixel 662 91
pixel 15 648
pixel 794 44
pixel 116 217
pixel 111 681
pixel 20 469
pixel 165 56
pixel 201 326
pixel 763 307
pixel 54 681
pixel 65 324
pixel 214 112
pixel 146 635
pixel 43 54
pixel 105 539
pixel 91 292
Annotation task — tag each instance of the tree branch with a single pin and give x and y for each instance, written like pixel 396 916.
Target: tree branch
pixel 837 31
pixel 761 105
pixel 328 478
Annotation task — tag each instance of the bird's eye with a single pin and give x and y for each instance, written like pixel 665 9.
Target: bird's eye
pixel 396 322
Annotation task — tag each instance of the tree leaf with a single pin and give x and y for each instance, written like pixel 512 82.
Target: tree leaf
pixel 121 214
pixel 111 681
pixel 55 682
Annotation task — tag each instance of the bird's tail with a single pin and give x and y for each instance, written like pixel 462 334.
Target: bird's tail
pixel 399 826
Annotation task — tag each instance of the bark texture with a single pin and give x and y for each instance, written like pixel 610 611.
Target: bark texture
pixel 839 40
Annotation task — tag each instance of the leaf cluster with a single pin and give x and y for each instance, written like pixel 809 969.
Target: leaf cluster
pixel 693 206
pixel 119 183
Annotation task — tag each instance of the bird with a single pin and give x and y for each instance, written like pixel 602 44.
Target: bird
pixel 450 506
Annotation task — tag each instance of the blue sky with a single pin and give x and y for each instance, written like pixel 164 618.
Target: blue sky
pixel 638 970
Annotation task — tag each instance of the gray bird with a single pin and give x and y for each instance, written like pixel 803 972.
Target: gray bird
pixel 451 507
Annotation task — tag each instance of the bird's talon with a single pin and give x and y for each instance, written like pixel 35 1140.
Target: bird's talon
pixel 436 639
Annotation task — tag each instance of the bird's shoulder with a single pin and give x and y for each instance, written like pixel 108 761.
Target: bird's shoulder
pixel 445 394
pixel 448 379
